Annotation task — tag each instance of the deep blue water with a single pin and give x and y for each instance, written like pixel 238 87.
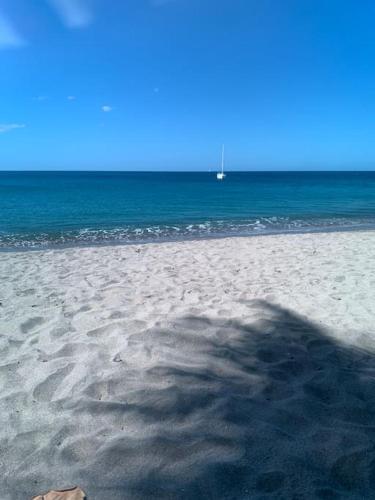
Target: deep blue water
pixel 59 208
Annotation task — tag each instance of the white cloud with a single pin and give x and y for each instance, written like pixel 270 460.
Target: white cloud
pixel 7 127
pixel 71 97
pixel 107 109
pixel 74 13
pixel 8 34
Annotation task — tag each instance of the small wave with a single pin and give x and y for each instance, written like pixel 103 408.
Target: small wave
pixel 165 232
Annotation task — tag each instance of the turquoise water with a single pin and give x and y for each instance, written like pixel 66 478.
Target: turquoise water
pixel 40 209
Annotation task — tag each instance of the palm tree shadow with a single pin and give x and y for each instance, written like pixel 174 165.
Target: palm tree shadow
pixel 272 409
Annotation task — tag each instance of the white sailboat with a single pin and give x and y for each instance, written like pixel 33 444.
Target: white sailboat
pixel 220 175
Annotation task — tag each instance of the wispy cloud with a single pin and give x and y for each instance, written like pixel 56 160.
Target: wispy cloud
pixel 107 109
pixel 7 127
pixel 74 13
pixel 41 98
pixel 9 37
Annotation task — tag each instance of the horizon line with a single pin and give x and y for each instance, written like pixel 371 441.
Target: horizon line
pixel 213 171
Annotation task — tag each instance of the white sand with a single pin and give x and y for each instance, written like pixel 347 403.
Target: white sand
pixel 234 368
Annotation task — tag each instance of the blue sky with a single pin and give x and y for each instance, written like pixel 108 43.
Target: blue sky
pixel 160 84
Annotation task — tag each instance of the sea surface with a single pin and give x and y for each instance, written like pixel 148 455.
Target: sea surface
pixel 39 209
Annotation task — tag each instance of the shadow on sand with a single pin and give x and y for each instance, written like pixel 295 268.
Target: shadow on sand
pixel 200 408
pixel 271 409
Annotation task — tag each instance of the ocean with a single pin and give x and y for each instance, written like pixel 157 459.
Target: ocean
pixel 48 209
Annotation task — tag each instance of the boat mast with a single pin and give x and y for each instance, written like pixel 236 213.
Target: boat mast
pixel 222 160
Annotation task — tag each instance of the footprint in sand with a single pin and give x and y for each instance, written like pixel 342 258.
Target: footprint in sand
pixel 340 279
pixel 72 349
pixel 268 482
pixel 269 355
pixel 348 470
pixel 27 293
pixel 46 389
pixel 117 315
pixel 327 494
pixel 80 450
pixel 106 330
pixel 31 323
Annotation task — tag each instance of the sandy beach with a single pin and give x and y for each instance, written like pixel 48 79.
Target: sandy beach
pixel 238 368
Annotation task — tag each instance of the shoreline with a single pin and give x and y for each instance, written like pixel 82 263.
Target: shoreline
pixel 114 243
